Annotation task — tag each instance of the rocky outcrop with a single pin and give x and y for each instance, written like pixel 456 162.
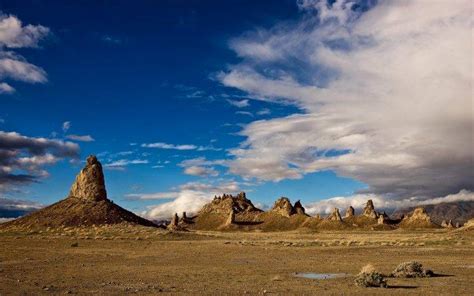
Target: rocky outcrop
pixel 418 219
pixel 349 212
pixel 369 210
pixel 298 208
pixel 382 219
pixel 283 207
pixel 90 184
pixel 335 215
pixel 86 205
pixel 227 203
pixel 174 222
pixel 447 224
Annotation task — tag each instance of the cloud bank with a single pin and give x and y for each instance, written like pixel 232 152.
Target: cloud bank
pixel 14 35
pixel 385 96
pixel 22 158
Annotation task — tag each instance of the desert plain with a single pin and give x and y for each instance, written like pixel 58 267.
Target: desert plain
pixel 125 259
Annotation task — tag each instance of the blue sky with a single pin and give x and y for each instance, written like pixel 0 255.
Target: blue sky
pixel 244 91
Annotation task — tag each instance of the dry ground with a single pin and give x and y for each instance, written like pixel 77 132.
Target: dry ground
pixel 144 261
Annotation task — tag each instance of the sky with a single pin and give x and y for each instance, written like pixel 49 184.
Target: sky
pixel 327 102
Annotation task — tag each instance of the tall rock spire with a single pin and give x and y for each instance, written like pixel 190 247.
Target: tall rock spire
pixel 90 184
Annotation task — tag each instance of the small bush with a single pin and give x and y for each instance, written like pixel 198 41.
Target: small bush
pixel 369 277
pixel 411 269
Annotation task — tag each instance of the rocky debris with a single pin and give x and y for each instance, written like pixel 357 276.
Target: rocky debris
pixel 411 269
pixel 369 210
pixel 299 209
pixel 231 219
pixel 369 277
pixel 349 212
pixel 227 203
pixel 335 215
pixel 90 184
pixel 86 205
pixel 283 207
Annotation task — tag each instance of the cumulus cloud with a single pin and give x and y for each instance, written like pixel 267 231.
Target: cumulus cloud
pixel 201 166
pixel 22 158
pixel 189 198
pixel 13 35
pixel 385 96
pixel 358 201
pixel 201 171
pixel 84 138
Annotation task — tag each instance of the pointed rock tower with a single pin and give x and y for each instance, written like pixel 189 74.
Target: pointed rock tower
pixel 86 205
pixel 299 209
pixel 369 210
pixel 283 207
pixel 335 216
pixel 90 184
pixel 349 212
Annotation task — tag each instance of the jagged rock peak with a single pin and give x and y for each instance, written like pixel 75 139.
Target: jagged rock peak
pixel 283 207
pixel 298 208
pixel 369 210
pixel 335 216
pixel 226 203
pixel 350 212
pixel 89 183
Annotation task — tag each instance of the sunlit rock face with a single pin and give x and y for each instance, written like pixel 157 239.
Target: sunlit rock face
pixel 90 184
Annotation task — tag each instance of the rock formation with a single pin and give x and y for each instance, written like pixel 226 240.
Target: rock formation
pixel 174 222
pixel 86 205
pixel 418 219
pixel 90 184
pixel 283 207
pixel 369 210
pixel 448 224
pixel 298 208
pixel 349 212
pixel 184 216
pixel 335 215
pixel 382 219
pixel 226 203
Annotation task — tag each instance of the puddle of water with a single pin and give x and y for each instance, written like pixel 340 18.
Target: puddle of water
pixel 320 276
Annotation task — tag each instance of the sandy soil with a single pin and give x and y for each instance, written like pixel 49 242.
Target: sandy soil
pixel 144 261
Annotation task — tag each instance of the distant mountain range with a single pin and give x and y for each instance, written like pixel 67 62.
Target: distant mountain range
pixel 460 211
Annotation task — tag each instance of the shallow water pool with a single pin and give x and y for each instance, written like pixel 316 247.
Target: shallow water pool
pixel 320 276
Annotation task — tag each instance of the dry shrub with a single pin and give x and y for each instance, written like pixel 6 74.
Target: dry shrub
pixel 411 269
pixel 369 277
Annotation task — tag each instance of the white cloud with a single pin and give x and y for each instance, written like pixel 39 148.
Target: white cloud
pixel 13 35
pixel 264 111
pixel 358 201
pixel 201 171
pixel 5 88
pixel 120 164
pixel 239 104
pixel 385 96
pixel 161 145
pixel 22 159
pixel 183 147
pixel 66 126
pixel 189 198
pixel 84 138
pixel 244 113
